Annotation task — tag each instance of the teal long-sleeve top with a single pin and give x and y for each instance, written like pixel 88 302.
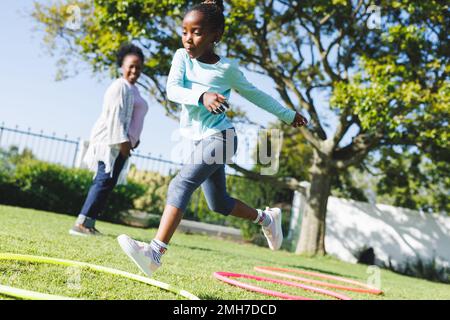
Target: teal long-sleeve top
pixel 189 78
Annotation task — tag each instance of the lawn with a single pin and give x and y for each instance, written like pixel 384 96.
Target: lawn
pixel 188 264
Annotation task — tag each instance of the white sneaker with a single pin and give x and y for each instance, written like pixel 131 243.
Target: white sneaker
pixel 273 232
pixel 140 253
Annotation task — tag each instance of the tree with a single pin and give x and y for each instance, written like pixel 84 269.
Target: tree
pixel 409 179
pixel 387 86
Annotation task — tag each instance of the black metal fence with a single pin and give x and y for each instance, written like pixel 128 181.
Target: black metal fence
pixel 67 152
pixel 45 147
pixel 149 163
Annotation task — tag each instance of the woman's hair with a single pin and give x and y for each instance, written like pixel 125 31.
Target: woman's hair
pixel 126 49
pixel 213 12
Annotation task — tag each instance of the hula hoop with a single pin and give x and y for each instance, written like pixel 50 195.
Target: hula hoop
pixel 365 288
pixel 224 276
pixel 30 295
pixel 71 263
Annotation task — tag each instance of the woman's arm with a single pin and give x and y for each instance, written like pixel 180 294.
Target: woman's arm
pixel 176 92
pixel 119 106
pixel 261 99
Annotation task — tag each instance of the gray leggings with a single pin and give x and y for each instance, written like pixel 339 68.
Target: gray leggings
pixel 206 168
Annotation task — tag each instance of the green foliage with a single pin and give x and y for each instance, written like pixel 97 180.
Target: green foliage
pixel 411 180
pixel 401 93
pixel 41 185
pixel 296 154
pixel 156 185
pixel 344 186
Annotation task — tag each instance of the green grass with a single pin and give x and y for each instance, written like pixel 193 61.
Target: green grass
pixel 188 264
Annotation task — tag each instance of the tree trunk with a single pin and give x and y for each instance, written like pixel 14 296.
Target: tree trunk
pixel 312 232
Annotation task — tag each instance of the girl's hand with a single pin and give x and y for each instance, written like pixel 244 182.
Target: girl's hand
pixel 125 149
pixel 214 102
pixel 299 121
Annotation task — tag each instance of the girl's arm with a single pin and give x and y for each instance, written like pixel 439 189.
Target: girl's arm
pixel 176 91
pixel 242 86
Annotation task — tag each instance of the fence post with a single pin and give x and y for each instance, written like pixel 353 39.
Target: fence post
pixel 1 132
pixel 298 207
pixel 80 149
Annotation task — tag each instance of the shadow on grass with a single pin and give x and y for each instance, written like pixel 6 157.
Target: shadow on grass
pixel 206 296
pixel 194 247
pixel 321 271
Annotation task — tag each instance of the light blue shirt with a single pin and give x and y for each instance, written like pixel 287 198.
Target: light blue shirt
pixel 189 78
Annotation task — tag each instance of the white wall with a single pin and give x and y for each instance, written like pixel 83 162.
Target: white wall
pixel 394 233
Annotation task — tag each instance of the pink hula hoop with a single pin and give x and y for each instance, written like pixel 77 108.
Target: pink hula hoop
pixel 365 288
pixel 225 277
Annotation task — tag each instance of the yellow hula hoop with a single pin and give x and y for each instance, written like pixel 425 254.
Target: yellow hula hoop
pixel 29 295
pixel 24 294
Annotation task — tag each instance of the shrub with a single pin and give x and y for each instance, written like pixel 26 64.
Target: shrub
pixel 156 185
pixel 425 268
pixel 51 187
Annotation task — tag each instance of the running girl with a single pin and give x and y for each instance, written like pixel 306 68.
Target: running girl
pixel 200 81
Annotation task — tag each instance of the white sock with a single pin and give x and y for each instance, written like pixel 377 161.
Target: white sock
pixel 264 218
pixel 158 249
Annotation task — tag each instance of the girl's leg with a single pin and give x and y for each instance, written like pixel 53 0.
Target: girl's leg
pixel 219 200
pixel 242 210
pixel 148 256
pixel 169 222
pixel 203 165
pixel 179 193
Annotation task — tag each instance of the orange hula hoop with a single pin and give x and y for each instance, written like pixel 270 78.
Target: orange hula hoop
pixel 281 272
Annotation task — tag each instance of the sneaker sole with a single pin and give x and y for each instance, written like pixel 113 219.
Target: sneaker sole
pixel 123 242
pixel 277 218
pixel 76 233
pixel 279 229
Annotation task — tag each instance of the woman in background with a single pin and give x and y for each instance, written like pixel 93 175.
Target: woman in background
pixel 116 132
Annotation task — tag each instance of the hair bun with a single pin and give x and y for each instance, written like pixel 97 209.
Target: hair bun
pixel 217 3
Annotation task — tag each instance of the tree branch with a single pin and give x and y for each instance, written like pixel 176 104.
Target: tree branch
pixel 284 183
pixel 356 151
pixel 308 106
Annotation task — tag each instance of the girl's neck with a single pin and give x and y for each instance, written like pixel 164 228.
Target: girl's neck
pixel 209 57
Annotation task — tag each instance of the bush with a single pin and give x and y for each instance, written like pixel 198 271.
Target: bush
pixel 425 268
pixel 44 186
pixel 156 185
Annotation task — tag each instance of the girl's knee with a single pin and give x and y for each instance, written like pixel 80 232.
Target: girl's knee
pixel 222 206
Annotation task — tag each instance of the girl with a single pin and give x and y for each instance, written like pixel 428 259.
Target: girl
pixel 115 133
pixel 201 81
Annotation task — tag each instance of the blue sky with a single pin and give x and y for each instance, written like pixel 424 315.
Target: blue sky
pixel 32 98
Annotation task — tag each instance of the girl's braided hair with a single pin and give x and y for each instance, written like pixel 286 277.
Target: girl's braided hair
pixel 213 12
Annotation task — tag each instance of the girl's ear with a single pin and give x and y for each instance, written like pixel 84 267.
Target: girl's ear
pixel 218 37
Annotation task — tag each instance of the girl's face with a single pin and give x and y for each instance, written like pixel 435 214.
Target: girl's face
pixel 131 68
pixel 197 38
